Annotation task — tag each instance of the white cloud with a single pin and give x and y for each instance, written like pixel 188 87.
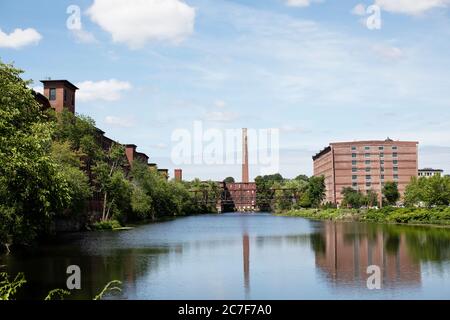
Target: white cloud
pixel 38 89
pixel 137 22
pixel 221 116
pixel 120 121
pixel 83 36
pixel 388 52
pixel 106 90
pixel 359 10
pixel 19 38
pixel 411 7
pixel 300 3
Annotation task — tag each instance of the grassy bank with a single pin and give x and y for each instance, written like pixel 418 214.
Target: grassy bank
pixel 434 216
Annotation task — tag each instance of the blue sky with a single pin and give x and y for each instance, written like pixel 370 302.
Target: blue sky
pixel 310 68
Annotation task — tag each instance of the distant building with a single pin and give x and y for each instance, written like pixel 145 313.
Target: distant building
pixel 366 165
pixel 60 94
pixel 178 174
pixel 240 195
pixel 164 173
pixel 428 172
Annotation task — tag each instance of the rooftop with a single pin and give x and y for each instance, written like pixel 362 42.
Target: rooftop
pixel 56 82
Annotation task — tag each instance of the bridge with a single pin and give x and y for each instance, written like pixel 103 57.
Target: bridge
pixel 243 197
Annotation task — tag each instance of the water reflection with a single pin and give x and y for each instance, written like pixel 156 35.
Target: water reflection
pixel 246 260
pixel 343 251
pixel 244 257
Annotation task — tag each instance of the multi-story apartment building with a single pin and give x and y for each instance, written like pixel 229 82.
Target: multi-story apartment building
pixel 366 165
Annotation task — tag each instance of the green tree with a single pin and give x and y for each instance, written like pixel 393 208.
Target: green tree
pixel 415 191
pixel 229 180
pixel 371 198
pixel 391 193
pixel 316 190
pixel 32 189
pixel 352 198
pixel 69 165
pixel 110 181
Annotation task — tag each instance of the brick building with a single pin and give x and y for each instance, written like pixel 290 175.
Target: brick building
pixel 60 95
pixel 366 165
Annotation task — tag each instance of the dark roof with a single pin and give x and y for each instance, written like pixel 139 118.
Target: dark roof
pixel 66 82
pixel 321 153
pixel 42 99
pixel 432 170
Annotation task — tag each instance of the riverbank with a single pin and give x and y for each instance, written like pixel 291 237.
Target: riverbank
pixel 414 216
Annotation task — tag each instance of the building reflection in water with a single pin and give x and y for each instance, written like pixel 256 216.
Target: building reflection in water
pixel 344 251
pixel 246 260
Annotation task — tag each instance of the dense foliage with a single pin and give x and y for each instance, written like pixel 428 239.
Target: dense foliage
pixel 429 192
pixel 274 193
pixel 52 165
pixel 438 215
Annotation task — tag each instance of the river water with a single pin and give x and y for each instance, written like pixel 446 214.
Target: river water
pixel 245 256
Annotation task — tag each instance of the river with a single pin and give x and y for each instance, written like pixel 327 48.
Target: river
pixel 244 256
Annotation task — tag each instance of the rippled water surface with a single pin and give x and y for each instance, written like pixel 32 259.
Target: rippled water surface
pixel 245 256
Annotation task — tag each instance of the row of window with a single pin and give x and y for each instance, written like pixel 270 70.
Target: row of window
pixel 368 184
pixel 369 177
pixel 395 169
pixel 354 162
pixel 379 148
pixel 367 155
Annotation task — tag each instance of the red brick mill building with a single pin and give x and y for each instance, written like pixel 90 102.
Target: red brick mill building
pixel 60 95
pixel 366 165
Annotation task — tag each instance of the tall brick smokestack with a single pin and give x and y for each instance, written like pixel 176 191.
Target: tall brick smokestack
pixel 244 156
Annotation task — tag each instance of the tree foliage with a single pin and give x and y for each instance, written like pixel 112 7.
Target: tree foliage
pixel 32 188
pixel 391 193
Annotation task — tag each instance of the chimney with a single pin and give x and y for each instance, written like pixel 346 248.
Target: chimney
pixel 178 174
pixel 130 151
pixel 245 174
pixel 61 94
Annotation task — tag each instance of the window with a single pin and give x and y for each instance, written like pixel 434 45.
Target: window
pixel 354 170
pixel 396 176
pixel 354 184
pixel 353 162
pixel 368 184
pixel 367 155
pixel 395 169
pixel 367 169
pixel 380 148
pixel 382 177
pixel 381 161
pixel 382 169
pixel 353 148
pixel 52 94
pixel 368 177
pixel 381 155
pixel 366 148
pixel 354 177
pixel 394 148
pixel 395 162
pixel 395 155
pixel 353 155
pixel 367 161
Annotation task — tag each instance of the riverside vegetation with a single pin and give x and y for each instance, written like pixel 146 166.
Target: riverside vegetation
pixel 51 165
pixel 426 201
